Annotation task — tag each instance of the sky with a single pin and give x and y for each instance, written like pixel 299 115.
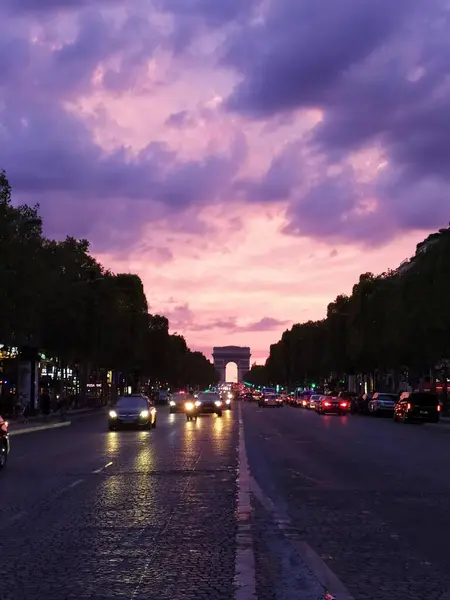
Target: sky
pixel 248 159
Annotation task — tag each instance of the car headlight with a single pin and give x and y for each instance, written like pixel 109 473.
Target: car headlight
pixel 189 406
pixel 228 401
pixel 230 396
pixel 144 414
pixel 218 403
pixel 172 403
pixel 197 403
pixel 113 414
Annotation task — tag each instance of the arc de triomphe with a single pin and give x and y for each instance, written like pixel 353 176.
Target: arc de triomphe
pixel 222 355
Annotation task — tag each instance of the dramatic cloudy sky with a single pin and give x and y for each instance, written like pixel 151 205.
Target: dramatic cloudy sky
pixel 248 158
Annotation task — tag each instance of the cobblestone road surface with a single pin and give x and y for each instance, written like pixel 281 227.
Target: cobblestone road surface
pixel 369 496
pixel 87 513
pixel 158 523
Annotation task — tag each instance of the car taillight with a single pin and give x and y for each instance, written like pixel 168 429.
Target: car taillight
pixel 408 406
pixel 304 402
pixel 344 404
pixel 327 403
pixel 439 408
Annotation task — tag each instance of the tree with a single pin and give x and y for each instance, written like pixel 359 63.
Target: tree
pixel 58 296
pixel 22 274
pixel 257 375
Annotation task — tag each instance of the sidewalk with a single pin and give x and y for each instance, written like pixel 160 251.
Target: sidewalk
pixel 52 421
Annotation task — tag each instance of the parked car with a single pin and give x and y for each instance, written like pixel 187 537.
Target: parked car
pixel 360 405
pixel 422 407
pixel 382 404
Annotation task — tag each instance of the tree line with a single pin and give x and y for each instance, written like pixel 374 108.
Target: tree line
pixel 391 332
pixel 56 297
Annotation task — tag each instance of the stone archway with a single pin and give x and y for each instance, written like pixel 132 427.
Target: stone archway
pixel 222 355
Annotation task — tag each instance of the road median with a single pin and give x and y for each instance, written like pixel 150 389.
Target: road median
pixel 29 428
pixel 39 423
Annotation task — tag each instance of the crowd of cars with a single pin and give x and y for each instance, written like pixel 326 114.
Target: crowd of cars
pixel 413 406
pixel 139 411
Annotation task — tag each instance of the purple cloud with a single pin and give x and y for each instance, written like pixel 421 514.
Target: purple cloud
pixel 379 72
pixel 192 17
pixel 183 318
pixel 298 53
pixel 264 324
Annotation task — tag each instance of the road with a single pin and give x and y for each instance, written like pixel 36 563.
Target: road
pixel 188 511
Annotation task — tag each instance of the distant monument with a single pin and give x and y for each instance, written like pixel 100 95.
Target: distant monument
pixel 222 355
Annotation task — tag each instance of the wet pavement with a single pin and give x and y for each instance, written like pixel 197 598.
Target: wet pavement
pixel 354 505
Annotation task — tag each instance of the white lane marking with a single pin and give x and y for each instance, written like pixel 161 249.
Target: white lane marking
pixel 244 571
pixel 332 584
pixel 69 487
pixel 40 428
pixel 102 468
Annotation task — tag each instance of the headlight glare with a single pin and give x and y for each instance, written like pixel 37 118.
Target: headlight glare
pixel 113 414
pixel 144 414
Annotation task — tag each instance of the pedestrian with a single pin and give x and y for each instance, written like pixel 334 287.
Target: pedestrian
pixel 45 403
pixel 62 405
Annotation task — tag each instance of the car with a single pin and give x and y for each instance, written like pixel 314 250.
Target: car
pixel 207 403
pixel 314 401
pixel 227 397
pixel 422 407
pixel 4 443
pixel 178 400
pixel 333 405
pixel 133 411
pixel 270 399
pixel 382 404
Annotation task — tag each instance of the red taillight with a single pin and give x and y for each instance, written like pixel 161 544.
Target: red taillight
pixel 439 408
pixel 408 406
pixel 344 404
pixel 327 403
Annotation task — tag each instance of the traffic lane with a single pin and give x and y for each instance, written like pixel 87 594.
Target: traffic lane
pixel 43 462
pixel 158 523
pixel 357 493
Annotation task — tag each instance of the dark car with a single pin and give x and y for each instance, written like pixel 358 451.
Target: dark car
pixel 178 400
pixel 134 411
pixel 4 443
pixel 422 407
pixel 333 405
pixel 207 403
pixel 270 399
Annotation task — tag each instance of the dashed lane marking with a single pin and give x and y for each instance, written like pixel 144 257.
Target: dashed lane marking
pixel 102 468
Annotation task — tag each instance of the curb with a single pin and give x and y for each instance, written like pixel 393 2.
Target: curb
pixel 40 428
